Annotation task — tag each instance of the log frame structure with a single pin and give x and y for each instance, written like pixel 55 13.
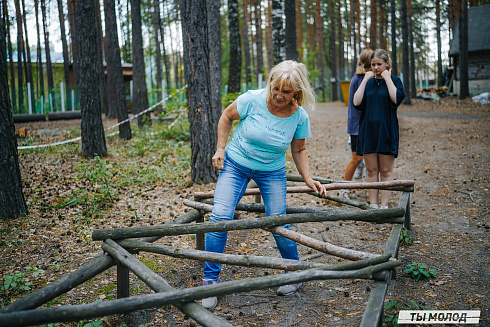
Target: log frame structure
pixel 119 246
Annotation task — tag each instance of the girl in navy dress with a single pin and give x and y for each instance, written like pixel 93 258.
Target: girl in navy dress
pixel 378 98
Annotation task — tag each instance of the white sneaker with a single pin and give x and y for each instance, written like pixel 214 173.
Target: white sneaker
pixel 374 206
pixel 383 207
pixel 210 302
pixel 358 172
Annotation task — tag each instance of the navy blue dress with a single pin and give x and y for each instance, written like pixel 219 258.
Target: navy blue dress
pixel 378 125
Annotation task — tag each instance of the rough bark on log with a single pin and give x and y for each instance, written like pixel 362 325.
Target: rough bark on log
pixel 399 185
pixel 374 216
pixel 93 310
pixel 300 238
pixel 159 284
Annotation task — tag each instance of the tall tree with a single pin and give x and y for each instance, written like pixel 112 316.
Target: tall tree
pixel 383 24
pixel 203 123
pixel 374 24
pixel 12 200
pixel 333 67
pixel 258 37
pixel 319 43
pixel 10 55
pixel 268 36
pixel 278 46
pixel 20 51
pixel 66 58
pixel 158 53
pixel 100 59
pixel 29 77
pixel 93 137
pixel 246 43
pixel 164 53
pixel 299 29
pixel 341 43
pixel 405 53
pixel 464 91
pixel 214 38
pixel 74 40
pixel 394 60
pixel 355 43
pixel 235 69
pixel 440 79
pixel 413 88
pixel 140 93
pixel 115 79
pixel 49 67
pixel 291 45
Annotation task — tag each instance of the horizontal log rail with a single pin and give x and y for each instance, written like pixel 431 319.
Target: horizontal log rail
pixel 394 215
pixel 399 185
pixel 139 302
pixel 299 238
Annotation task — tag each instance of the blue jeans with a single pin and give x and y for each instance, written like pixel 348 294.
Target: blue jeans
pixel 232 183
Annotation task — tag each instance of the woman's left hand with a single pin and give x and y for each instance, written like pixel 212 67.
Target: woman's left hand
pixel 386 74
pixel 317 187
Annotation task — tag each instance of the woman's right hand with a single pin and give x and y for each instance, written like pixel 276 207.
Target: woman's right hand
pixel 219 159
pixel 368 75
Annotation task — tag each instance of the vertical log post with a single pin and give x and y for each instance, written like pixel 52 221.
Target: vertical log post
pixel 122 281
pixel 200 237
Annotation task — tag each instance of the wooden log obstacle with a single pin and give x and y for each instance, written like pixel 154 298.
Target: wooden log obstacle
pixel 120 243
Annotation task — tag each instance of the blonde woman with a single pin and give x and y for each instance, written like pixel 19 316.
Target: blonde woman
pixel 271 119
pixel 378 98
pixel 353 116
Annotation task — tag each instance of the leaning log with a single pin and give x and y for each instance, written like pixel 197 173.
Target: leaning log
pixel 300 238
pixel 400 185
pixel 241 260
pixel 159 284
pixel 394 215
pixel 125 305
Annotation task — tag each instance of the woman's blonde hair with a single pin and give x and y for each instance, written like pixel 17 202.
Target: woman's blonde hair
pixel 292 73
pixel 383 54
pixel 364 62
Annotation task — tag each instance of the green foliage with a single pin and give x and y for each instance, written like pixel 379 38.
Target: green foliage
pixel 35 270
pixel 392 309
pixel 228 99
pixel 405 238
pixel 15 283
pixel 419 270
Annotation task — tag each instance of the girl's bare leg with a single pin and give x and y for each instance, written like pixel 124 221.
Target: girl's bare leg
pixel 372 168
pixel 386 164
pixel 351 166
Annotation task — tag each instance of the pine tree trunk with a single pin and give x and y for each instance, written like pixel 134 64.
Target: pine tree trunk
pixel 214 38
pixel 383 25
pixel 258 38
pixel 299 29
pixel 311 26
pixel 291 45
pixel 12 200
pixel 203 123
pixel 464 91
pixel 355 48
pixel 29 77
pixel 51 100
pixel 374 22
pixel 158 52
pixel 394 58
pixel 246 43
pixel 341 43
pixel 100 59
pixel 165 56
pixel 278 46
pixel 20 51
pixel 115 80
pixel 335 94
pixel 405 54
pixel 413 88
pixel 12 70
pixel 320 51
pixel 74 42
pixel 140 93
pixel 93 137
pixel 440 78
pixel 66 59
pixel 235 68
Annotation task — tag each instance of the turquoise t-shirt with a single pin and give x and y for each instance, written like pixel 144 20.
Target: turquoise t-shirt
pixel 261 139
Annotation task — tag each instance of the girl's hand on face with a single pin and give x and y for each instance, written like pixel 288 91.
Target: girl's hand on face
pixel 368 75
pixel 386 74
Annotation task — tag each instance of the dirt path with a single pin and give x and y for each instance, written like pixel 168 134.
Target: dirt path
pixel 443 147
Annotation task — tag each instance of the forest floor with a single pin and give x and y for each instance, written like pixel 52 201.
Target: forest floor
pixel 444 148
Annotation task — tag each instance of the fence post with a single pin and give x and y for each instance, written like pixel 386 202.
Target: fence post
pixel 200 241
pixel 29 100
pixel 72 99
pixel 62 97
pixel 122 281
